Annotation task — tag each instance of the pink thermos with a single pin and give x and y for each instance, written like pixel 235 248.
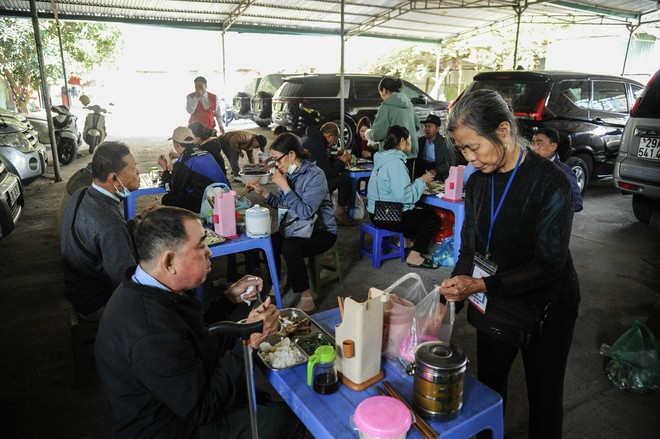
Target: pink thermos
pixel 454 184
pixel 224 214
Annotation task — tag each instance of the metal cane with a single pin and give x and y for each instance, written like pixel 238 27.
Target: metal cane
pixel 244 330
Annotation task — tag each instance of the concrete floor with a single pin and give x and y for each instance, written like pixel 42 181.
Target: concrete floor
pixel 617 259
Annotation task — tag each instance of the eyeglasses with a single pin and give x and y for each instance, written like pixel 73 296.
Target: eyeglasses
pixel 279 159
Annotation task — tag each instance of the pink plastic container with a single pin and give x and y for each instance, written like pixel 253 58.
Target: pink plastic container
pixel 381 417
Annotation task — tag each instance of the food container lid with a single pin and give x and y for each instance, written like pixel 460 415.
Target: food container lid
pixel 440 355
pixel 382 416
pixel 257 211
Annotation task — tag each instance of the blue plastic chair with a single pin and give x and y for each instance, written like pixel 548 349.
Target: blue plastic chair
pixel 381 248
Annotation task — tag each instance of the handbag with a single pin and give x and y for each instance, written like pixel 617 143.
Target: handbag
pixel 294 227
pixel 510 320
pixel 387 210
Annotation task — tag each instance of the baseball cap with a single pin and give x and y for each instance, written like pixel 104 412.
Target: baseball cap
pixel 182 135
pixel 432 118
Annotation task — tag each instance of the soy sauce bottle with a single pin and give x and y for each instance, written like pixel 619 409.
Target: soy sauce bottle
pixel 322 372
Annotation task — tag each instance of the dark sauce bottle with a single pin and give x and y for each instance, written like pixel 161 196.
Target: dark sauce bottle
pixel 325 383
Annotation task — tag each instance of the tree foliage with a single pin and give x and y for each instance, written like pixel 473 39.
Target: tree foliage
pixel 85 45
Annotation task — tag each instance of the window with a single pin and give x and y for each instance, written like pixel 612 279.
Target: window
pixel 578 92
pixel 609 96
pixel 366 88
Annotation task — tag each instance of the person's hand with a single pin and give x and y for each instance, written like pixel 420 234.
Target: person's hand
pixel 257 189
pixel 162 162
pixel 241 155
pixel 174 155
pixel 239 287
pixel 366 154
pixel 271 317
pixel 280 180
pixel 222 130
pixel 458 288
pixel 427 177
pixel 346 157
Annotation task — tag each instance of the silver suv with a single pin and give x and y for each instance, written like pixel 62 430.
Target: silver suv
pixel 637 167
pixel 11 200
pixel 20 149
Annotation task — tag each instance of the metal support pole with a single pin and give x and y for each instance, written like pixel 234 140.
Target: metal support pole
pixel 44 88
pixel 341 82
pixel 631 29
pixel 224 66
pixel 59 37
pixel 518 10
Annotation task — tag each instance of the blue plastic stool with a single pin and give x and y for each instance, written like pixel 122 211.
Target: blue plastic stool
pixel 382 248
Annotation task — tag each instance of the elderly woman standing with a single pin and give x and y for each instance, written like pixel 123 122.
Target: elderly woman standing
pixel 396 109
pixel 390 182
pixel 303 190
pixel 514 256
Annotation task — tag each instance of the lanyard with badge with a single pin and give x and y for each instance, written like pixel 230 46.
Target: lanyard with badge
pixel 483 266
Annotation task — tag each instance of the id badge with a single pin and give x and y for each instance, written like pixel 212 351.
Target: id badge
pixel 482 268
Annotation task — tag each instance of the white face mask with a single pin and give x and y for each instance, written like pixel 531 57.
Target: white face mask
pixel 292 168
pixel 122 194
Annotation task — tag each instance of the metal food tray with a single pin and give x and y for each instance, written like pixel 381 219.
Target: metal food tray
pixel 273 340
pixel 314 328
pixel 311 339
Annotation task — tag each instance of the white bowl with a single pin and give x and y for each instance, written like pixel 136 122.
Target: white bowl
pixel 251 178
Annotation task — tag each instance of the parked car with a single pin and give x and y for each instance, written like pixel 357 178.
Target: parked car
pixel 637 167
pixel 361 98
pixel 589 112
pixel 261 107
pixel 20 149
pixel 241 102
pixel 12 200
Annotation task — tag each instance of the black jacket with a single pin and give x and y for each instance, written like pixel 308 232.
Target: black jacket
pixel 317 146
pixel 161 373
pixel 444 157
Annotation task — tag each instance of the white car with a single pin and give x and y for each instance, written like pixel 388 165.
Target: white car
pixel 20 149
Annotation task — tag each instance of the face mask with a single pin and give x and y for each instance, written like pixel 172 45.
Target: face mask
pixel 292 168
pixel 122 194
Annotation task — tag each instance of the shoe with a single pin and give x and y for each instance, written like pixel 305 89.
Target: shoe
pixel 343 219
pixel 307 305
pixel 426 264
pixel 237 179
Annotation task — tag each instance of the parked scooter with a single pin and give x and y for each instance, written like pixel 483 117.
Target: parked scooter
pixel 227 112
pixel 94 131
pixel 67 136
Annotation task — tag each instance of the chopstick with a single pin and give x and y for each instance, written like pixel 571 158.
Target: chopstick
pixel 429 432
pixel 211 201
pixel 415 423
pixel 340 301
pixel 244 192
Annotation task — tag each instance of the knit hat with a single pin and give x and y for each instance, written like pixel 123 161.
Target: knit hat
pixel 432 118
pixel 182 135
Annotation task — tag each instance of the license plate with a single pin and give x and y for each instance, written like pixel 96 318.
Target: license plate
pixel 14 193
pixel 649 148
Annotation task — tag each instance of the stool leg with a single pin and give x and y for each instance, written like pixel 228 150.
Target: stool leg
pixel 337 264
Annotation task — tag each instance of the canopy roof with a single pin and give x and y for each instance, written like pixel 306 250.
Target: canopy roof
pixel 428 20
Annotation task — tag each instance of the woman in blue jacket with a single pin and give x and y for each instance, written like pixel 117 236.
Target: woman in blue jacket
pixel 390 181
pixel 303 190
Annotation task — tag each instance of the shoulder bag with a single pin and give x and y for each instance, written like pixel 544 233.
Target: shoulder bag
pixel 387 210
pixel 510 320
pixel 294 227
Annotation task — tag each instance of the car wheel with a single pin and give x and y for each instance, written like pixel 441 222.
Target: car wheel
pixel 581 166
pixel 643 208
pixel 66 149
pixel 348 132
pixel 245 103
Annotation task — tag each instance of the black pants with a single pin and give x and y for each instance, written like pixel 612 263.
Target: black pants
pixel 545 366
pixel 417 224
pixel 184 201
pixel 295 250
pixel 344 185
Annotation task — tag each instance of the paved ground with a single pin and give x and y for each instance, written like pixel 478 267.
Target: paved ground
pixel 617 258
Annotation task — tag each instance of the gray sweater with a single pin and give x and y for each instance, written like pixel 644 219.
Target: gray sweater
pixel 97 251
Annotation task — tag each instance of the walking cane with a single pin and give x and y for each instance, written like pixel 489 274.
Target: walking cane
pixel 244 330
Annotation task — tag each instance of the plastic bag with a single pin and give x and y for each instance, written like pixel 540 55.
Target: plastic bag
pixel 635 363
pixel 443 255
pixel 445 224
pixel 404 330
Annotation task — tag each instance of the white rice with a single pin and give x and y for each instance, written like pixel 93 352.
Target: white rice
pixel 282 355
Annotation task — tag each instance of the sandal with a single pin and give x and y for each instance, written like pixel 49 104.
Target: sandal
pixel 426 264
pixel 307 305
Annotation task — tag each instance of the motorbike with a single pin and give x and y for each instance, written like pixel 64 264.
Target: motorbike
pixel 67 136
pixel 227 112
pixel 94 131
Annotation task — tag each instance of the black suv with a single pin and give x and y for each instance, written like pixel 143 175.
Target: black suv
pixel 589 111
pixel 262 102
pixel 361 98
pixel 637 168
pixel 241 102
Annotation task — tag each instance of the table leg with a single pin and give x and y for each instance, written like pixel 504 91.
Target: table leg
pixel 267 246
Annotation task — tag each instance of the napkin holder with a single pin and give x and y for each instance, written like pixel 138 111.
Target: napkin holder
pixel 224 214
pixel 359 339
pixel 454 184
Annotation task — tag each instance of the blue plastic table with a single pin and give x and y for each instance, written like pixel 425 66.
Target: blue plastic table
pixel 458 207
pixel 328 416
pixel 147 187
